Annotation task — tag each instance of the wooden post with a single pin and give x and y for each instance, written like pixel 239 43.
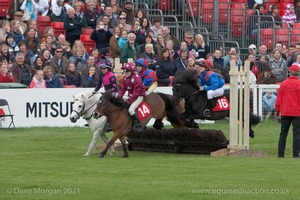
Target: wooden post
pixel 239 107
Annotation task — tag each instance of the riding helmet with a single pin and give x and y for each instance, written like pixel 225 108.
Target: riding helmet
pixel 206 64
pixel 129 66
pixel 141 62
pixel 105 64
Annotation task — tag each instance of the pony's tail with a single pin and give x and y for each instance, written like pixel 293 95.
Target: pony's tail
pixel 171 114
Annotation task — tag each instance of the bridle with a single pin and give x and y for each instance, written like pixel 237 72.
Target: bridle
pixel 82 111
pixel 107 110
pixel 182 97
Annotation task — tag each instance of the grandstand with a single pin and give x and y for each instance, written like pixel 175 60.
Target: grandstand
pixel 223 23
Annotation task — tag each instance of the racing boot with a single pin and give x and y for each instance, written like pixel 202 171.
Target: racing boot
pixel 207 111
pixel 137 127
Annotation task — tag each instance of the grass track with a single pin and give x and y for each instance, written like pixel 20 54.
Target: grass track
pixel 47 164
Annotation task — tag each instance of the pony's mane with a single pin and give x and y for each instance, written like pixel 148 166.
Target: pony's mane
pixel 108 95
pixel 186 77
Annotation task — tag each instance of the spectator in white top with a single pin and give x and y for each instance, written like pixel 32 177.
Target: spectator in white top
pixel 43 8
pixel 59 10
pixel 156 28
pixel 30 7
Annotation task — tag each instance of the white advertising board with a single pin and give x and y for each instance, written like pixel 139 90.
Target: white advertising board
pixel 45 107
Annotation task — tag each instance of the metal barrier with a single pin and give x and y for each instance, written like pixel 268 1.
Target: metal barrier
pixel 219 17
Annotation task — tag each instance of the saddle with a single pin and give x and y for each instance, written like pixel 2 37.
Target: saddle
pixel 220 104
pixel 143 110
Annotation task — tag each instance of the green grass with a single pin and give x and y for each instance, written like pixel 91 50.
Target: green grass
pixel 48 163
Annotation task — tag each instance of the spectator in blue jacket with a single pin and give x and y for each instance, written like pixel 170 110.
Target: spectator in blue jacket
pixel 52 80
pixel 268 103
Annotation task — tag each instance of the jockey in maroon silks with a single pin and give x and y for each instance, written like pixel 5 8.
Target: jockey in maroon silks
pixel 136 92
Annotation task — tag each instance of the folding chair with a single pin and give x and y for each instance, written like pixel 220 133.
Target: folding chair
pixel 4 104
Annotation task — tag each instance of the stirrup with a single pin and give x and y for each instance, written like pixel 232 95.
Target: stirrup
pixel 137 128
pixel 206 113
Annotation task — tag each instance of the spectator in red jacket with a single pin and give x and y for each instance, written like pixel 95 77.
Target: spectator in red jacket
pixel 5 75
pixel 288 106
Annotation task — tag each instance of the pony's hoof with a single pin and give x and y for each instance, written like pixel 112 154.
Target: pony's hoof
pixel 251 134
pixel 125 156
pixel 100 155
pixel 86 155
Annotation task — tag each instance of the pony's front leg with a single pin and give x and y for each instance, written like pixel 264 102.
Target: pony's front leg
pixel 158 124
pixel 105 140
pixel 125 149
pixel 95 138
pixel 108 145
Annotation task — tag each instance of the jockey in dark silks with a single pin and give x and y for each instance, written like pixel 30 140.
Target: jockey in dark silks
pixel 107 77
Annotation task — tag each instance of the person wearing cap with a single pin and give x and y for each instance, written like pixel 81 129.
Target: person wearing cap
pixel 288 107
pixel 266 76
pixel 148 75
pixel 133 84
pixel 18 17
pixel 128 8
pixel 107 78
pixel 252 49
pixel 212 83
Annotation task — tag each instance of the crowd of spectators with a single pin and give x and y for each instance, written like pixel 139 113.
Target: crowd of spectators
pixel 120 31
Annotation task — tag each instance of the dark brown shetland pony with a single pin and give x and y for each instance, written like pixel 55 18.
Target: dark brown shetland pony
pixel 159 104
pixel 186 87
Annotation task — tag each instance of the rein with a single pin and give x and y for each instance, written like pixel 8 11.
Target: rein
pixel 185 97
pixel 108 111
pixel 190 95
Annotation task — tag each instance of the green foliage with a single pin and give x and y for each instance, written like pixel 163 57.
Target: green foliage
pixel 48 163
